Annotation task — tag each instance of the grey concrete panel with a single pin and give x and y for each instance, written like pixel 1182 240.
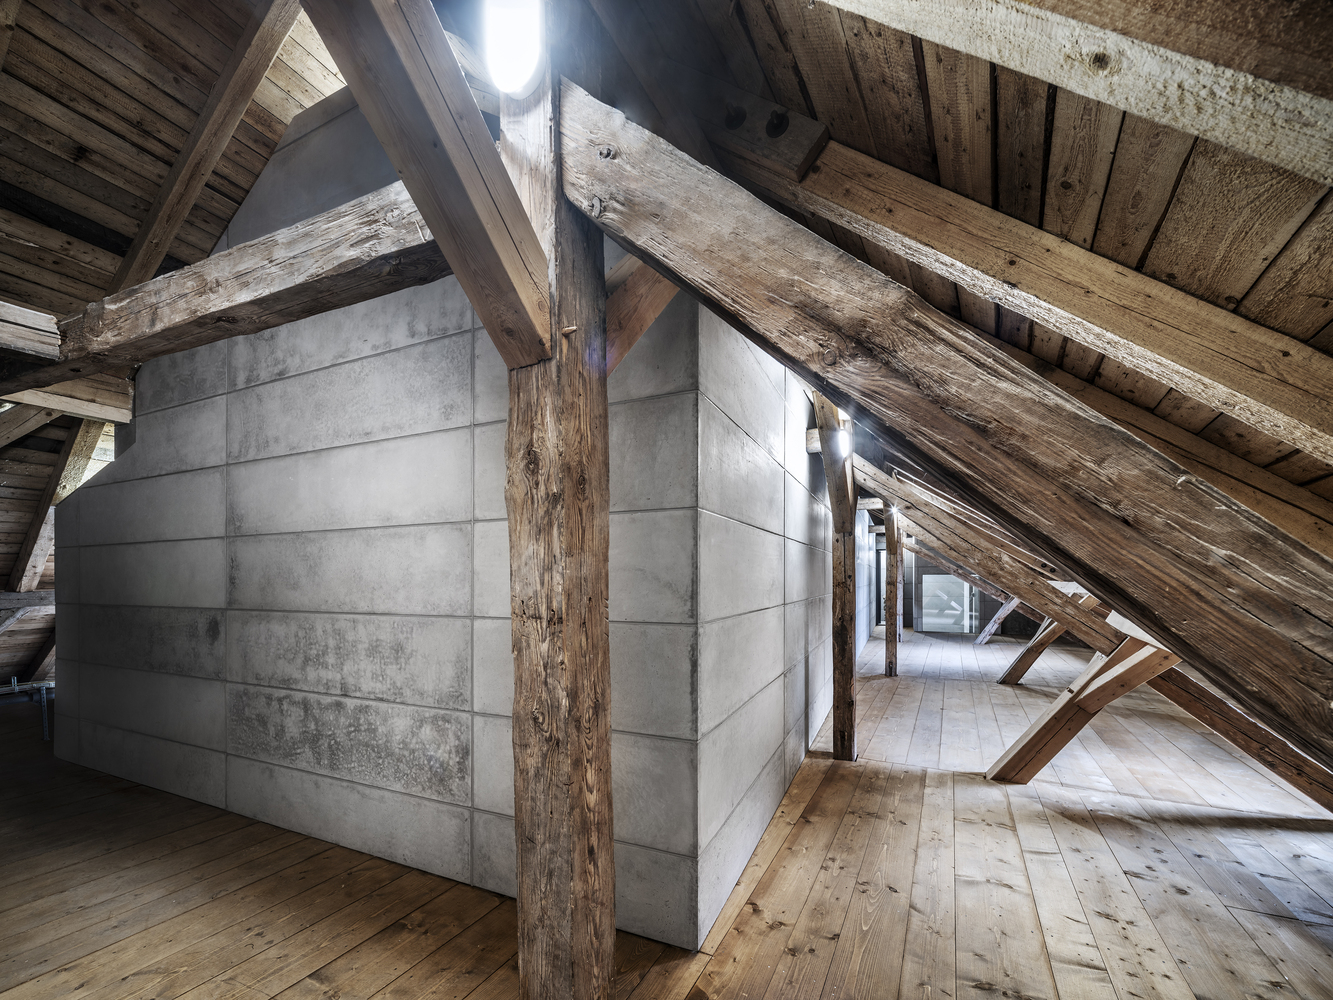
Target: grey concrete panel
pixel 724 858
pixel 656 894
pixel 493 666
pixel 793 678
pixel 745 383
pixel 652 679
pixel 70 673
pixel 171 706
pixel 740 567
pixel 653 785
pixel 183 574
pixel 794 748
pixel 733 754
pixel 421 570
pixel 738 657
pixel 422 751
pixel 488 451
pixel 181 378
pixel 655 452
pixel 67 520
pixel 67 630
pixel 421 479
pixel 406 660
pixel 666 358
pixel 490 569
pixel 805 572
pixel 653 566
pixel 69 581
pixel 189 771
pixel 807 468
pixel 804 514
pixel 493 764
pixel 422 833
pixel 64 728
pixel 330 165
pixel 410 391
pixel 737 478
pixel 167 640
pixel 178 439
pixel 490 380
pixel 181 505
pixel 400 319
pixel 493 853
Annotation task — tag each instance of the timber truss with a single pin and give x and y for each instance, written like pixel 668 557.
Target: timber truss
pixel 917 315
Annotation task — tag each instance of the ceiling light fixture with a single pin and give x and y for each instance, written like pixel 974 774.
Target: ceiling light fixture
pixel 512 31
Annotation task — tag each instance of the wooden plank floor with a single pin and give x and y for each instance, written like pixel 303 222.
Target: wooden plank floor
pixel 1150 859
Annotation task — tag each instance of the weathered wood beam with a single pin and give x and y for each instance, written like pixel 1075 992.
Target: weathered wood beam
pixel 893 592
pixel 32 598
pixel 996 621
pixel 1272 381
pixel 1134 662
pixel 369 247
pixel 21 420
pixel 66 476
pixel 1205 576
pixel 407 82
pixel 1050 630
pixel 41 661
pixel 107 396
pixel 557 492
pixel 9 12
pixel 227 101
pixel 1297 511
pixel 1260 742
pixel 989 560
pixel 836 454
pixel 1271 115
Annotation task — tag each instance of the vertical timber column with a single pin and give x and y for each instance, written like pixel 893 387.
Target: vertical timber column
pixel 558 497
pixel 893 592
pixel 835 447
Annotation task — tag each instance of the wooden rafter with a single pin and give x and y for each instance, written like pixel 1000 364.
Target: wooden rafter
pixel 1053 41
pixel 369 247
pixel 250 60
pixel 1021 450
pixel 411 89
pixel 1274 382
pixel 1050 630
pixel 1132 663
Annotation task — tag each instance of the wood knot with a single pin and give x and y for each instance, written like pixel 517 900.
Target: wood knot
pixel 606 152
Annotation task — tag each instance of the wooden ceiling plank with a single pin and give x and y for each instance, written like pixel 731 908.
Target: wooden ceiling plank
pixel 24 266
pixel 1263 118
pixel 1020 151
pixel 1149 159
pixel 411 89
pixel 19 421
pixel 1269 380
pixel 765 27
pixel 40 664
pixel 1245 442
pixel 93 259
pixel 737 49
pixel 9 13
pixel 1036 459
pixel 1230 217
pixel 1295 293
pixel 1083 144
pixel 184 183
pixel 368 247
pixel 157 45
pixel 21 291
pixel 885 68
pixel 959 90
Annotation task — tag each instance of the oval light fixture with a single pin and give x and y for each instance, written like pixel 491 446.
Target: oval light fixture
pixel 512 32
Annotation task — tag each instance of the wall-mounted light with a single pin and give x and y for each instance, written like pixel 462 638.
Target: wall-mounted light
pixel 512 43
pixel 844 443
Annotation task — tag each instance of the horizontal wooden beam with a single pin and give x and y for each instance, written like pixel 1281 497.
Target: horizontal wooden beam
pixel 32 598
pixel 1267 379
pixel 369 247
pixel 1163 82
pixel 1210 580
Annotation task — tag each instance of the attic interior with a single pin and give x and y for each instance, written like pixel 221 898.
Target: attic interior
pixel 680 499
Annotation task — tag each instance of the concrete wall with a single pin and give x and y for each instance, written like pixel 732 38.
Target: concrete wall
pixel 289 595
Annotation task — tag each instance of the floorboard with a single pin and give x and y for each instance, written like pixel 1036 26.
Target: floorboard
pixel 1149 859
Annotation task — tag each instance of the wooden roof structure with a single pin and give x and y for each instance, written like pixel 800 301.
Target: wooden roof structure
pixel 1068 266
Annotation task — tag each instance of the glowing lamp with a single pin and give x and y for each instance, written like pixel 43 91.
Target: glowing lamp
pixel 513 43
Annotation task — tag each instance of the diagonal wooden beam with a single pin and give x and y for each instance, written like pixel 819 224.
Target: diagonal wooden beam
pixel 1272 381
pixel 997 619
pixel 631 309
pixel 227 101
pixel 1247 607
pixel 837 458
pixel 369 247
pixel 407 82
pixel 1050 630
pixel 66 475
pixel 1133 662
pixel 41 660
pixel 21 420
pixel 1152 72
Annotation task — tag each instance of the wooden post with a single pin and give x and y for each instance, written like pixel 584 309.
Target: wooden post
pixel 838 471
pixel 893 592
pixel 558 497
